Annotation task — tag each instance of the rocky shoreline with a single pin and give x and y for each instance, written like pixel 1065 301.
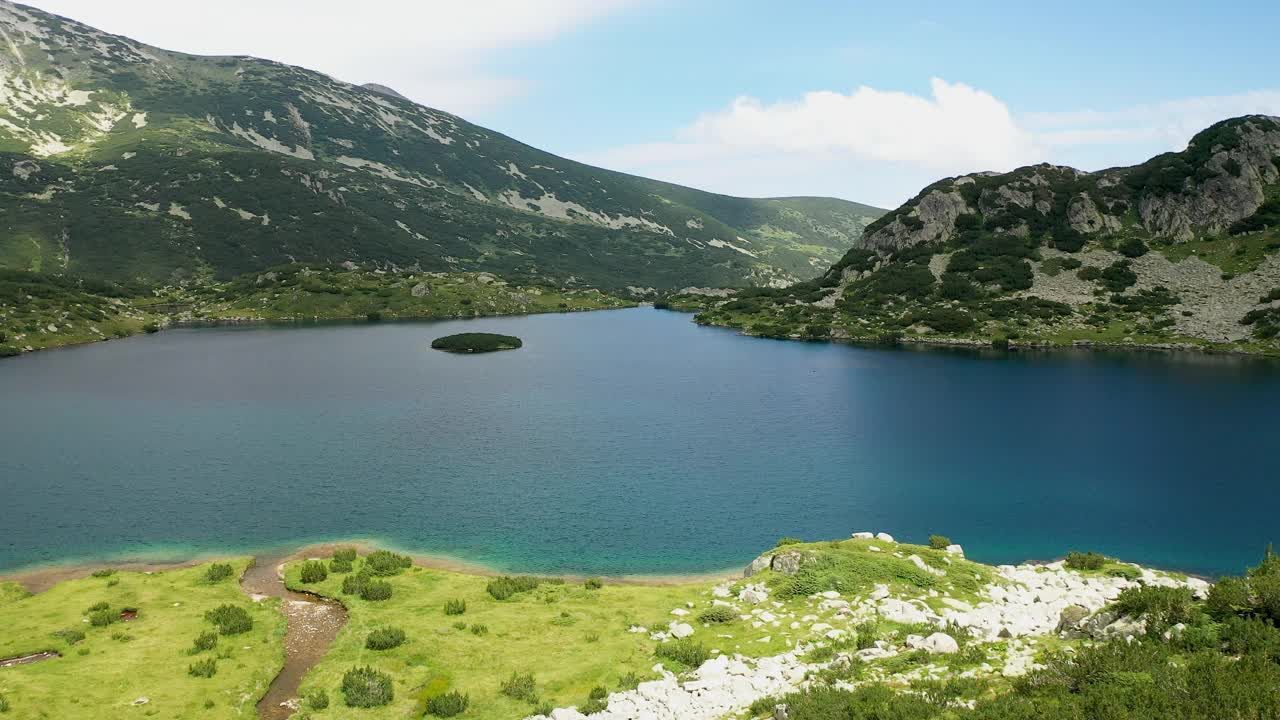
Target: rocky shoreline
pixel 1024 607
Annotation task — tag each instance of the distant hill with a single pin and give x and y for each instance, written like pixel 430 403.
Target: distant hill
pixel 127 162
pixel 1180 250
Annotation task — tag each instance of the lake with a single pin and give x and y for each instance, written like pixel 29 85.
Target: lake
pixel 627 442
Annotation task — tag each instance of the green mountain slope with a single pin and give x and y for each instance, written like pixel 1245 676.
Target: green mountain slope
pixel 1179 250
pixel 127 162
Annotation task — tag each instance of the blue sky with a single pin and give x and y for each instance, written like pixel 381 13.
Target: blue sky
pixel 867 101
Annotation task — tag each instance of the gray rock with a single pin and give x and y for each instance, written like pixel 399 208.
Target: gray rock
pixel 758 565
pixel 420 290
pixel 1072 619
pixel 940 644
pixel 788 563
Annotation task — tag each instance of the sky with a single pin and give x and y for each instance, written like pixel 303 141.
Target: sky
pixel 865 101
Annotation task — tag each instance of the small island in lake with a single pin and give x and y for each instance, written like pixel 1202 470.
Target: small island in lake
pixel 476 343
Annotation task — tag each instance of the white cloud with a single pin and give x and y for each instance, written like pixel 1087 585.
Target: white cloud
pixel 882 147
pixel 432 52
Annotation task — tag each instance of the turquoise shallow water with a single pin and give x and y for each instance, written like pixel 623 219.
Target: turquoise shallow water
pixel 627 442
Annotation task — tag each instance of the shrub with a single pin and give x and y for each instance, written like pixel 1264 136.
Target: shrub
pixel 314 571
pixel 230 619
pixel 353 584
pixel 520 687
pixel 218 572
pixel 103 617
pixel 204 641
pixel 385 638
pixel 455 607
pixel 1085 560
pixel 70 636
pixel 376 590
pixel 479 629
pixel 345 554
pixel 598 693
pixel 939 542
pixel 630 681
pixel 789 541
pixel 504 587
pixel 1163 606
pixel 687 651
pixel 374 316
pixel 449 704
pixel 386 563
pixel 366 687
pixel 104 572
pixel 593 584
pixel 100 605
pixel 317 699
pixel 339 566
pixel 718 615
pixel 1133 247
pixel 4 704
pixel 206 668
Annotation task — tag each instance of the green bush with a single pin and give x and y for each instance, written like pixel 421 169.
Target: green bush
pixel 504 587
pixel 479 629
pixel 1133 247
pixel 385 638
pixel 630 681
pixel 218 572
pixel 448 705
pixel 376 590
pixel 70 636
pixel 365 687
pixel 100 605
pixel 782 542
pixel 346 554
pixel 593 584
pixel 230 619
pixel 1085 560
pixel 317 699
pixel 104 572
pixel 718 615
pixel 314 571
pixel 520 687
pixel 206 668
pixel 455 607
pixel 385 563
pixel 353 584
pixel 338 567
pixel 939 542
pixel 1162 606
pixel 686 650
pixel 204 641
pixel 4 704
pixel 104 617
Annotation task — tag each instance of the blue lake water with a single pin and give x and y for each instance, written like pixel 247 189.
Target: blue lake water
pixel 627 442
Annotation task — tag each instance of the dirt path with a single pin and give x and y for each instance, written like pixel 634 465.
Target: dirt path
pixel 313 623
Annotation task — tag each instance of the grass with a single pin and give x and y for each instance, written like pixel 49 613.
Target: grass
pixel 1234 255
pixel 100 677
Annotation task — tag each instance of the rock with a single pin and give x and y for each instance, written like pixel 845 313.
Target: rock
pixel 754 594
pixel 895 610
pixel 680 612
pixel 142 701
pixel 680 630
pixel 1071 619
pixel 881 592
pixel 758 565
pixel 420 290
pixel 873 548
pixel 885 537
pixel 862 536
pixel 780 712
pixel 920 563
pixel 940 644
pixel 955 550
pixel 788 563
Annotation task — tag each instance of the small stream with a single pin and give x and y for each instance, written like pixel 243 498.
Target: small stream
pixel 313 623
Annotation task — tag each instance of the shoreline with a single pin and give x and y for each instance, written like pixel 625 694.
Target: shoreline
pixel 38 578
pixel 1171 349
pixel 313 320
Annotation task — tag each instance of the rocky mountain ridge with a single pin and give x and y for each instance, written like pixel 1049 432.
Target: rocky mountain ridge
pixel 127 162
pixel 1180 251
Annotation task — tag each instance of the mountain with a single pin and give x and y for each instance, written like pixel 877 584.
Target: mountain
pixel 1179 250
pixel 126 162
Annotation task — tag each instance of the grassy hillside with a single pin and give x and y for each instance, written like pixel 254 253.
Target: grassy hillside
pixel 127 162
